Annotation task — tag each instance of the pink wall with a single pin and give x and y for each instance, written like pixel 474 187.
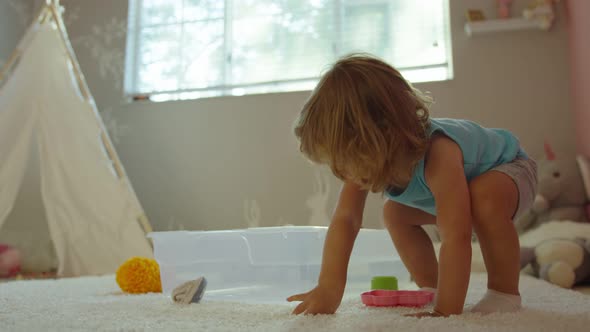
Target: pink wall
pixel 578 21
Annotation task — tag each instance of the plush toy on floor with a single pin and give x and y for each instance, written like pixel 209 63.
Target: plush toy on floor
pixel 10 261
pixel 563 262
pixel 139 275
pixel 190 292
pixel 563 191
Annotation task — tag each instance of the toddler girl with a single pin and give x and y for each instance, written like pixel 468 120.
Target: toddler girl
pixel 373 129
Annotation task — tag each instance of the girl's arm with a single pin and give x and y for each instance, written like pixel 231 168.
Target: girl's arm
pixel 345 225
pixel 446 178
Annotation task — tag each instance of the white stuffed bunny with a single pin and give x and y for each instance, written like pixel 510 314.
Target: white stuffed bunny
pixel 563 262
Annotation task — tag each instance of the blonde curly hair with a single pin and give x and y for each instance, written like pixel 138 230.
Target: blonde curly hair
pixel 366 122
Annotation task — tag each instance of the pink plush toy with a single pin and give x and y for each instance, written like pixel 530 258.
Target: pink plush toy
pixel 9 261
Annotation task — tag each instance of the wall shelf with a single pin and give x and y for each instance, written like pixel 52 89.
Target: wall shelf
pixel 501 25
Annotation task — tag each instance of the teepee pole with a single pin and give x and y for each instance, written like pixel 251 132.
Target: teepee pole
pixel 85 90
pixel 75 65
pixel 108 144
pixel 9 63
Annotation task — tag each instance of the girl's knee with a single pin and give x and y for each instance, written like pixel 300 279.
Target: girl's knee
pixel 483 205
pixel 493 196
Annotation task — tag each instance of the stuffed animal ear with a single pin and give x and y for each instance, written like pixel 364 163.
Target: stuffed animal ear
pixel 549 154
pixel 584 165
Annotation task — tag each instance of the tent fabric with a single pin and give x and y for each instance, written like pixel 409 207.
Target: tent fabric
pixel 91 213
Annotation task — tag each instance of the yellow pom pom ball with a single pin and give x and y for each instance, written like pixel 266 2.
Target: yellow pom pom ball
pixel 139 275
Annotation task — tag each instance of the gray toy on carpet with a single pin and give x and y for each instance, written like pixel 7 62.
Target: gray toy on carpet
pixel 190 291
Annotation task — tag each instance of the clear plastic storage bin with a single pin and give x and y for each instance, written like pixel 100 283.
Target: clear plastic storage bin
pixel 267 264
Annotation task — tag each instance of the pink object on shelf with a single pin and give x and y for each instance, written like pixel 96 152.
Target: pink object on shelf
pixel 504 8
pixel 390 298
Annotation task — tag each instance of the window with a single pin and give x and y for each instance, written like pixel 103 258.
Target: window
pixel 180 49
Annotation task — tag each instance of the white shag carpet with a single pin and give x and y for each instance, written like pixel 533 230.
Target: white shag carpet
pixel 96 304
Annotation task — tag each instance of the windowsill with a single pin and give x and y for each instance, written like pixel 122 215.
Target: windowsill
pixel 178 98
pixel 220 97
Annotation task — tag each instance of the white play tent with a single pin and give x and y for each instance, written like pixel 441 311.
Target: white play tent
pixel 94 218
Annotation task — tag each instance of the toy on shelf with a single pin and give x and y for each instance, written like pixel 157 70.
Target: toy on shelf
pixel 475 15
pixel 504 8
pixel 542 11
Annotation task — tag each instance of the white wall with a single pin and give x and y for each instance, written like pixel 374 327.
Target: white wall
pixel 196 164
pixel 14 18
pixel 579 53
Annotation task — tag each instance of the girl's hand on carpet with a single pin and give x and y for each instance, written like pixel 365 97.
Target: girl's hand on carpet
pixel 425 314
pixel 320 300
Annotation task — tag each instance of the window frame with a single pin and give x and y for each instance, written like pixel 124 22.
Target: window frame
pixel 131 71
